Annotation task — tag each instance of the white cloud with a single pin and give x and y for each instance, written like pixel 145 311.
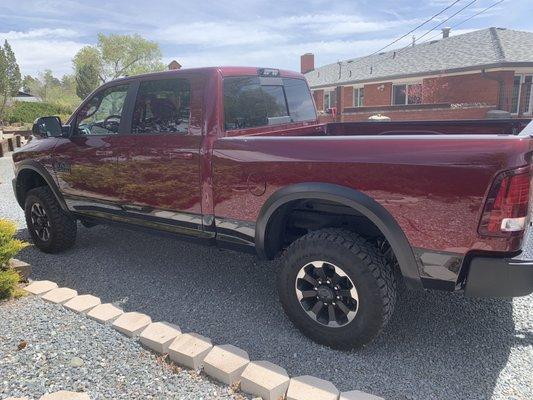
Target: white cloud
pixel 39 33
pixel 40 49
pixel 338 24
pixel 216 34
pixel 284 56
pixel 264 31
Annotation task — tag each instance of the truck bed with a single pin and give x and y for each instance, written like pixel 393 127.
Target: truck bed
pixel 460 127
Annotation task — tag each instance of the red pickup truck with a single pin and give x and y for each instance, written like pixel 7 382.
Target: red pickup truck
pixel 236 157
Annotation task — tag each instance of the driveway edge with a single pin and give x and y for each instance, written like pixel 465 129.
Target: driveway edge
pixel 225 363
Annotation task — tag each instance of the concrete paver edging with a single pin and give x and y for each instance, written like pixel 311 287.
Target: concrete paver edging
pixel 105 313
pixel 225 363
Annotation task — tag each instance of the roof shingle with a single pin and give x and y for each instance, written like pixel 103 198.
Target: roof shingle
pixel 486 47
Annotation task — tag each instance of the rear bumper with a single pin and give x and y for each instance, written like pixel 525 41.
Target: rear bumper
pixel 499 277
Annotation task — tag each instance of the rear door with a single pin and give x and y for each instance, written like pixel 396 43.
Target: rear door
pixel 86 162
pixel 159 179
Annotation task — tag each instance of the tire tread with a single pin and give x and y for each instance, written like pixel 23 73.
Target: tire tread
pixel 375 265
pixel 63 225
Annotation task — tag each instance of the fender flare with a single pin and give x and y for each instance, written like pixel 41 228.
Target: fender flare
pixel 357 200
pixel 42 171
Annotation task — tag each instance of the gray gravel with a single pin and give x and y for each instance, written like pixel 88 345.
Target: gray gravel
pixel 437 345
pixel 66 351
pixel 7 210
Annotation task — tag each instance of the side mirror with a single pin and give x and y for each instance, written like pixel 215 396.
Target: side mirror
pixel 47 127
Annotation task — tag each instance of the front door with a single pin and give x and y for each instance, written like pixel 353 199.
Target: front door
pixel 159 180
pixel 86 163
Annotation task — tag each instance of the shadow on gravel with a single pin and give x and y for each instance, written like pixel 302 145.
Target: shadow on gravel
pixel 437 346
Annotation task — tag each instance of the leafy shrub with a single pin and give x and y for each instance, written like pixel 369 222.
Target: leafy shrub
pixel 27 112
pixel 9 247
pixel 8 283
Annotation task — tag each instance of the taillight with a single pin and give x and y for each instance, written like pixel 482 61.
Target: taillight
pixel 507 205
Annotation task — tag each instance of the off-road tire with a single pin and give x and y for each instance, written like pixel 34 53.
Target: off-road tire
pixel 363 264
pixel 62 226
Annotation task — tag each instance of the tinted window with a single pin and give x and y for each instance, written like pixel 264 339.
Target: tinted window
pixel 301 107
pixel 249 104
pixel 244 106
pixel 275 101
pixel 398 94
pixel 407 94
pixel 162 106
pixel 102 114
pixel 516 94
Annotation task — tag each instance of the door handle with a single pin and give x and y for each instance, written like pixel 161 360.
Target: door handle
pixel 182 156
pixel 143 209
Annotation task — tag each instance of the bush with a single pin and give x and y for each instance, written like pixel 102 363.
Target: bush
pixel 9 247
pixel 27 112
pixel 8 283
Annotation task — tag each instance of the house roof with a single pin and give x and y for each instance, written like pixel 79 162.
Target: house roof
pixel 491 47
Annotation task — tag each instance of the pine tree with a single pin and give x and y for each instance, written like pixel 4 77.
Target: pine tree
pixel 10 79
pixel 87 80
pixel 13 71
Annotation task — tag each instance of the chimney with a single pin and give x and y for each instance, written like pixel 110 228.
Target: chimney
pixel 174 65
pixel 446 32
pixel 307 63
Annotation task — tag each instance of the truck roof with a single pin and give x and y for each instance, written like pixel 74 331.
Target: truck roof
pixel 224 71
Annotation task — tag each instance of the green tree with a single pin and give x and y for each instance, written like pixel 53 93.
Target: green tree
pixel 68 82
pixel 86 80
pixel 48 83
pixel 28 84
pixel 60 92
pixel 119 55
pixel 10 79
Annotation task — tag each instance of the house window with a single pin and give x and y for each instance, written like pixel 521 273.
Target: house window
pixel 407 94
pixel 358 97
pixel 515 100
pixel 329 99
pixel 528 95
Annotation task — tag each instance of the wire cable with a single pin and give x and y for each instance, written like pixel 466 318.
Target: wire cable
pixel 436 26
pixel 466 20
pixel 428 32
pixel 419 26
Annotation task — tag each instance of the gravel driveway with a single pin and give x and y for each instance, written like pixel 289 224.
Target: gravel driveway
pixel 437 345
pixel 66 351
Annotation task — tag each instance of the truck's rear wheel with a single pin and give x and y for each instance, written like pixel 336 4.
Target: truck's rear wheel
pixel 337 288
pixel 51 229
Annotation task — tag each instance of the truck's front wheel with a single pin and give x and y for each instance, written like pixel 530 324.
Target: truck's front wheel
pixel 337 288
pixel 50 228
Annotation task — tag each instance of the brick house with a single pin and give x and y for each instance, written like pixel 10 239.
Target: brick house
pixel 458 77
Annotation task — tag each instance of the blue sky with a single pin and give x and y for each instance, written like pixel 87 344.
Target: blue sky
pixel 47 33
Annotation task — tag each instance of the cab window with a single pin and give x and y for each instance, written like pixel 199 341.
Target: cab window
pixel 102 114
pixel 250 102
pixel 162 106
